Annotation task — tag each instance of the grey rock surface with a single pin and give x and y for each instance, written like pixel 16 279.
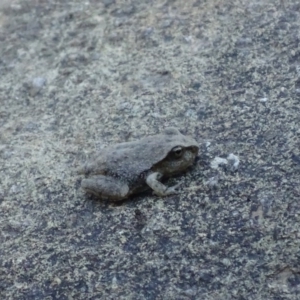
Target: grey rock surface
pixel 76 76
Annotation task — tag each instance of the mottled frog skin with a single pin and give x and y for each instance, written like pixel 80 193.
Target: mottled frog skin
pixel 128 168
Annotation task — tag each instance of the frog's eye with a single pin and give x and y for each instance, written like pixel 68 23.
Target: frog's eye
pixel 177 151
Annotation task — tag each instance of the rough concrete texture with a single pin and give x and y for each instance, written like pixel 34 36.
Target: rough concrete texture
pixel 76 76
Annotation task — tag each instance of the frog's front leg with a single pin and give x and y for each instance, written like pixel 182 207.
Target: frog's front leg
pixel 159 188
pixel 106 187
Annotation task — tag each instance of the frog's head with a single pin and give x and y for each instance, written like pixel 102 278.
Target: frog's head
pixel 180 153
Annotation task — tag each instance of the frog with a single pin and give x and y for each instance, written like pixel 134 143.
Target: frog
pixel 124 169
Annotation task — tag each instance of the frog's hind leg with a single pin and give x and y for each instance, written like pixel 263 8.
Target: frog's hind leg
pixel 106 187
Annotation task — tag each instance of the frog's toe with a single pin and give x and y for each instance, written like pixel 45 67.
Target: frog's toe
pixel 172 190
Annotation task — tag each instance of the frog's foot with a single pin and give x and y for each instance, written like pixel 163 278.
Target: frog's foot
pixel 106 187
pixel 159 188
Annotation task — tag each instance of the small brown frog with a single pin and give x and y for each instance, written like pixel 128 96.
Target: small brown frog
pixel 129 168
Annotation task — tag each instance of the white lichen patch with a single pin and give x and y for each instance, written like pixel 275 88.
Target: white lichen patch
pixel 232 160
pixel 217 161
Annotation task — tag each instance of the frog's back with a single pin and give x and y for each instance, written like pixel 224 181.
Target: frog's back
pixel 129 160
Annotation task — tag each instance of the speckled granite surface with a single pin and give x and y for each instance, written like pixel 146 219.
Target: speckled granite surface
pixel 76 76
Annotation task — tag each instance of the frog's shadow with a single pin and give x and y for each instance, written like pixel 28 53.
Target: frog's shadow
pixel 109 203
